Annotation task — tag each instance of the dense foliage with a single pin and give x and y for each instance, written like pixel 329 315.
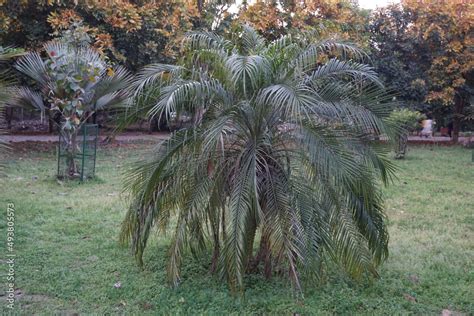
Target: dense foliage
pixel 424 49
pixel 275 18
pixel 279 151
pixel 398 56
pixel 130 32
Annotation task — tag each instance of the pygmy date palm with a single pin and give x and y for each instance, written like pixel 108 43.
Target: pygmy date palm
pixel 280 153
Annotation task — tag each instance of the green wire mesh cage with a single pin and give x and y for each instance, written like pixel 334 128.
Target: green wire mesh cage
pixel 83 159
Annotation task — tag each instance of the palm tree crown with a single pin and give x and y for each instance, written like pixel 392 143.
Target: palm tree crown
pixel 280 151
pixel 74 79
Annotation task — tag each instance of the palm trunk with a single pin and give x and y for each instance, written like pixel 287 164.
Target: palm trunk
pixel 50 122
pixel 215 224
pixel 266 255
pixel 223 225
pixel 215 254
pixel 249 246
pixel 263 255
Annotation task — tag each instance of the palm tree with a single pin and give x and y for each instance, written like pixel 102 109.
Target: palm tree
pixel 5 94
pixel 77 82
pixel 281 151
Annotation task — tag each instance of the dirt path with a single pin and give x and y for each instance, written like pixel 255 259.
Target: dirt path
pixel 130 137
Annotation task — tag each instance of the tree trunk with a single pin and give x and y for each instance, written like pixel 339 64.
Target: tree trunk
pixel 50 122
pixel 71 151
pixel 401 148
pixel 458 110
pixel 456 127
pixel 8 117
pixel 154 125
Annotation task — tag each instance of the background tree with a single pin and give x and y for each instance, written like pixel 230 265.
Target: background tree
pixel 399 58
pixel 130 32
pixel 76 82
pixel 446 27
pixel 275 18
pixel 424 49
pixel 280 149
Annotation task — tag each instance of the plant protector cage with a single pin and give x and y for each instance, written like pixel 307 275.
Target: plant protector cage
pixel 84 157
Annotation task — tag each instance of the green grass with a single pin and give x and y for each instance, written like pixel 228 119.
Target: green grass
pixel 68 257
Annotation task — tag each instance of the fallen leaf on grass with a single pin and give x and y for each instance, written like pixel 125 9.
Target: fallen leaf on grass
pixel 414 278
pixel 147 306
pixel 93 258
pixel 408 297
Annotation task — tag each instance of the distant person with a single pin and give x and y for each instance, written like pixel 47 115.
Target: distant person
pixel 427 130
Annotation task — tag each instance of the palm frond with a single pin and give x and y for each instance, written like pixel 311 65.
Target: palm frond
pixel 32 65
pixel 27 98
pixel 252 42
pixel 207 40
pixel 154 74
pixel 335 68
pixel 247 72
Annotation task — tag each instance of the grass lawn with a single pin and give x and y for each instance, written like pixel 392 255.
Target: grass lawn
pixel 68 258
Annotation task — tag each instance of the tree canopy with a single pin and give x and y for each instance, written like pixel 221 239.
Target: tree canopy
pixel 131 32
